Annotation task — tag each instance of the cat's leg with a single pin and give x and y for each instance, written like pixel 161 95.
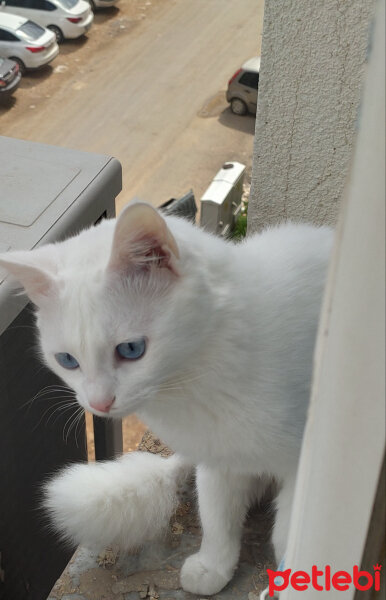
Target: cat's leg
pixel 284 502
pixel 125 501
pixel 224 498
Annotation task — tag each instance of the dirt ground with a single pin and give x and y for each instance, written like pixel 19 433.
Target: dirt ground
pixel 76 59
pixel 147 85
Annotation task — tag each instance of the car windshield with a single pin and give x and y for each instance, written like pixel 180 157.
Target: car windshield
pixel 30 31
pixel 68 3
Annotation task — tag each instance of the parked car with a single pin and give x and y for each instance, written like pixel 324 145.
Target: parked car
pixel 66 18
pixel 101 3
pixel 25 42
pixel 243 87
pixel 10 77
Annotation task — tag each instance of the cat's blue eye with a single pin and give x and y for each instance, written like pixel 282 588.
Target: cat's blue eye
pixel 131 350
pixel 66 360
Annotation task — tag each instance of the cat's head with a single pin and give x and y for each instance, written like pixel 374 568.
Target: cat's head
pixel 117 308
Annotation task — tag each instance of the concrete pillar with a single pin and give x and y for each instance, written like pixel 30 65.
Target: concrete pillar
pixel 313 56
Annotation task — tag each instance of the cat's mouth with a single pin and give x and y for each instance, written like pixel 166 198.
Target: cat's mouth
pixel 119 411
pixel 111 414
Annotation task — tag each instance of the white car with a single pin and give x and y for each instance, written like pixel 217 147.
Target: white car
pixel 101 3
pixel 26 42
pixel 66 18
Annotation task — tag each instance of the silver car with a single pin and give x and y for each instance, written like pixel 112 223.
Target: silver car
pixel 9 77
pixel 25 42
pixel 243 87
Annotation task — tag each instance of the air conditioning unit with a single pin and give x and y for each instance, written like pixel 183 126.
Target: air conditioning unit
pixel 221 203
pixel 47 194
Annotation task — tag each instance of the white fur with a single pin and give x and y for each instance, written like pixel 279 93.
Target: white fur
pixel 225 380
pixel 128 501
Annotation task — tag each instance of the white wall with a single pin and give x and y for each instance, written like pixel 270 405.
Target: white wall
pixel 313 55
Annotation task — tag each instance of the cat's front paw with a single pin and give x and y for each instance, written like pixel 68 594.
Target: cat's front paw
pixel 198 577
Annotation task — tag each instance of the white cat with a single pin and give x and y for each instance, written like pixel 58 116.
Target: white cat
pixel 210 343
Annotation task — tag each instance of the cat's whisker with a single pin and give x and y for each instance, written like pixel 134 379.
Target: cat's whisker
pixel 46 391
pixel 76 428
pixel 54 390
pixel 64 427
pixel 52 387
pixel 56 386
pixel 78 415
pixel 56 406
pixel 61 409
pixel 40 369
pixel 35 396
pixel 70 421
pixel 46 398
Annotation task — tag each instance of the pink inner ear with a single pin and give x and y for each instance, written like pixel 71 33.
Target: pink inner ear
pixel 38 284
pixel 144 254
pixel 41 285
pixel 141 240
pixel 151 252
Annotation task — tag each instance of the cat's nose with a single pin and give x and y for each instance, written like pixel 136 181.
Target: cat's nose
pixel 102 405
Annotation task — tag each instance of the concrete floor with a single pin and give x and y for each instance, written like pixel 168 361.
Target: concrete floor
pixel 153 572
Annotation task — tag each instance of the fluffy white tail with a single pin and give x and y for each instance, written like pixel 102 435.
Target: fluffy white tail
pixel 123 502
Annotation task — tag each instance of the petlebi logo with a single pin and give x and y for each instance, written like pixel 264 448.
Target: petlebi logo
pixel 322 579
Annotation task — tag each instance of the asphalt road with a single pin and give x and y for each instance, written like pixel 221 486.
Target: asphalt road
pixel 147 87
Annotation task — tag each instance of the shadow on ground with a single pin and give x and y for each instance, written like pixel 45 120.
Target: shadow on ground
pixel 245 123
pixel 32 78
pixel 217 106
pixel 70 46
pixel 7 103
pixel 106 14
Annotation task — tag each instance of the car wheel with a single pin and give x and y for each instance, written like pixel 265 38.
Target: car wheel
pixel 22 68
pixel 58 33
pixel 238 107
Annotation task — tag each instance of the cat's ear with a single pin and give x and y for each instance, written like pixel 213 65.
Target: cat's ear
pixel 35 278
pixel 142 239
